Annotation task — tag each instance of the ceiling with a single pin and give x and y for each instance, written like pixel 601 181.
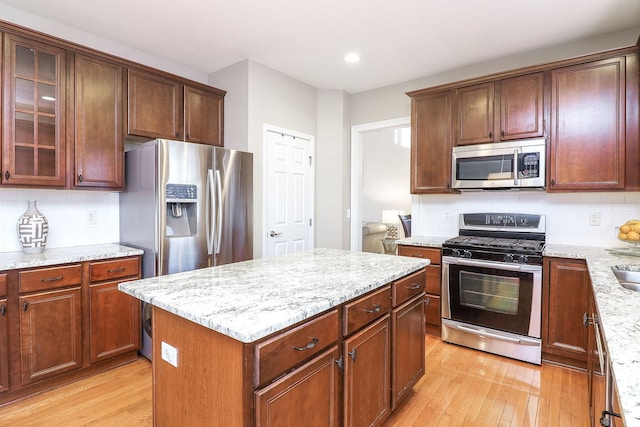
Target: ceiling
pixel 397 41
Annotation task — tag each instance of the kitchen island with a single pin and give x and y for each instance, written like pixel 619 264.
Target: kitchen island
pixel 258 342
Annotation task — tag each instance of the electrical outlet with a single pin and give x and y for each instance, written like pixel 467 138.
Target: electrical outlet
pixel 169 354
pixel 594 218
pixel 91 217
pixel 447 216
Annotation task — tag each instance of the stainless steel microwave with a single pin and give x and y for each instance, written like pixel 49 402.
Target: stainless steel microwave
pixel 501 165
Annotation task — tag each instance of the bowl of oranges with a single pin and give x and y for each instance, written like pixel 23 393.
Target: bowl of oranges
pixel 630 231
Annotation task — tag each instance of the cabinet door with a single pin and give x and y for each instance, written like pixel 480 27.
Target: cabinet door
pixel 588 126
pixel 432 315
pixel 306 397
pixel 4 339
pixel 33 138
pixel 50 334
pixel 431 143
pixel 203 116
pixel 154 106
pixel 565 301
pixel 115 322
pixel 521 107
pixel 474 114
pixel 367 376
pixel 407 349
pixel 99 148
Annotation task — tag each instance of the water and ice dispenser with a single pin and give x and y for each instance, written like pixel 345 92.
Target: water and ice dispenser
pixel 181 210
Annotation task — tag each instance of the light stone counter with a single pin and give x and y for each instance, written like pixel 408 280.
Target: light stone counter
pixel 252 299
pixel 424 241
pixel 619 311
pixel 16 260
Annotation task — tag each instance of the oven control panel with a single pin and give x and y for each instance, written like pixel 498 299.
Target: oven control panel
pixel 509 221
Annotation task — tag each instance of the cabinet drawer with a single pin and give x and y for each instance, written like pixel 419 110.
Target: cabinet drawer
pixel 3 285
pixel 434 280
pixel 366 309
pixel 408 287
pixel 114 269
pixel 432 254
pixel 284 351
pixel 49 278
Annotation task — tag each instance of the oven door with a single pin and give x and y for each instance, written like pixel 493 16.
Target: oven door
pixel 495 295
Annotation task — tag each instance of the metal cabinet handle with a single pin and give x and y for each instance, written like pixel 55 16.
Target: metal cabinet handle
pixel 52 279
pixel 376 309
pixel 274 234
pixel 25 306
pixel 312 344
pixel 79 177
pixel 427 301
pixel 3 310
pixel 116 270
pixel 417 255
pixel 353 354
pixel 490 134
pixel 7 175
pixel 553 182
pixel 502 133
pixel 413 286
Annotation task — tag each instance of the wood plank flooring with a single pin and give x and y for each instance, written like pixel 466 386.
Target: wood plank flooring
pixel 462 387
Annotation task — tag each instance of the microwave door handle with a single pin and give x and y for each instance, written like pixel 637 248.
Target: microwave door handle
pixel 516 181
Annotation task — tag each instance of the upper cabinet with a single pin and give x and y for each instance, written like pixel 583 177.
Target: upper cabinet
pixel 33 137
pixel 588 126
pixel 99 146
pixel 500 110
pixel 431 143
pixel 163 108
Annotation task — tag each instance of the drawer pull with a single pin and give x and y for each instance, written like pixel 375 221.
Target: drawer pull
pixel 25 306
pixel 353 354
pixel 3 310
pixel 417 255
pixel 427 301
pixel 414 286
pixel 312 344
pixel 52 279
pixel 376 309
pixel 116 270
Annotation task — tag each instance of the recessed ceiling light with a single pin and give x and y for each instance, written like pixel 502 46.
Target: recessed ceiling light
pixel 352 57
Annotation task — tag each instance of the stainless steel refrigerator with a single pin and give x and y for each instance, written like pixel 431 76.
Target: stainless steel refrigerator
pixel 188 206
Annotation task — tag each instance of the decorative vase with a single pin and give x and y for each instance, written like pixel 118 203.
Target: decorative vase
pixel 33 229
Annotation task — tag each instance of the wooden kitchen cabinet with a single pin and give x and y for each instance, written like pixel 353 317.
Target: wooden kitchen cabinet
pixel 500 110
pixel 114 315
pixel 159 107
pixel 98 131
pixel 310 395
pixel 367 375
pixel 588 126
pixel 431 144
pixel 565 300
pixel 433 316
pixel 50 333
pixel 4 337
pixel 34 93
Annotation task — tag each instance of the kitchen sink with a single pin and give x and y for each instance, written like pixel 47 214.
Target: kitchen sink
pixel 628 276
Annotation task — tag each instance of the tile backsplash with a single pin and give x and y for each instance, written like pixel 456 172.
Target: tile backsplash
pixel 567 214
pixel 67 213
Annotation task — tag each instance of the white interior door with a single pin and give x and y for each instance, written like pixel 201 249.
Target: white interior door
pixel 289 193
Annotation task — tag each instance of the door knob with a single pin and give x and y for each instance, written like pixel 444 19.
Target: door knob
pixel 274 234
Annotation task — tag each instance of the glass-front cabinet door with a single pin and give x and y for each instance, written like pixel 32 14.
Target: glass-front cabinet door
pixel 33 138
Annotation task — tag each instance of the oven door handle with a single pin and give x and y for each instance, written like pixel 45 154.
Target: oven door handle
pixel 489 264
pixel 486 334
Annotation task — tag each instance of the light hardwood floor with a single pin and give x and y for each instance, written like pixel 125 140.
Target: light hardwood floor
pixel 462 387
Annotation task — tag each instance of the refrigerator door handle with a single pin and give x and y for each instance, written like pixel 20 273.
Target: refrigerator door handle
pixel 208 213
pixel 218 211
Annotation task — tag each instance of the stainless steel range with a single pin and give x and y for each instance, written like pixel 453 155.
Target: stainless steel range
pixel 492 284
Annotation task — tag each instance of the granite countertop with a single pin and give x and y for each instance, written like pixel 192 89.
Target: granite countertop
pixel 619 312
pixel 16 260
pixel 424 241
pixel 252 299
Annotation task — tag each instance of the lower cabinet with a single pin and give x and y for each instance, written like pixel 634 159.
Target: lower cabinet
pixel 50 334
pixel 4 340
pixel 565 291
pixel 367 375
pixel 308 397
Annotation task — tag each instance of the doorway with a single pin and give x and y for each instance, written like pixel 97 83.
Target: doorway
pixel 288 192
pixel 360 134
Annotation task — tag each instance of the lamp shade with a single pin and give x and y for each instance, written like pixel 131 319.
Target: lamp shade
pixel 390 216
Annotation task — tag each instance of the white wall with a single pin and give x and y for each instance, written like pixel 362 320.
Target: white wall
pixel 385 176
pixel 66 213
pixel 567 213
